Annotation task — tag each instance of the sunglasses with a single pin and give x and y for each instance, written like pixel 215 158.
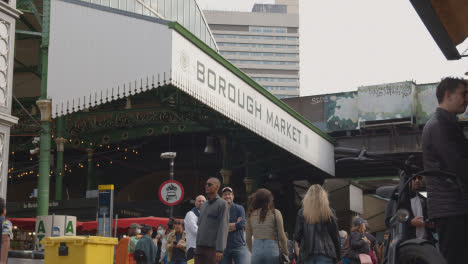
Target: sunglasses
pixel 209 184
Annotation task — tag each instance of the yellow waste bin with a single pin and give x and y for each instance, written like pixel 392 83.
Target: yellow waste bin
pixel 79 250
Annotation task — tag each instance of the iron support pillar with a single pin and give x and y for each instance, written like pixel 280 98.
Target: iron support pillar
pixel 45 107
pixel 44 170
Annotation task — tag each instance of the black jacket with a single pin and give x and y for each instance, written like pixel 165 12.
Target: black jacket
pixel 317 239
pixel 445 148
pixel 356 245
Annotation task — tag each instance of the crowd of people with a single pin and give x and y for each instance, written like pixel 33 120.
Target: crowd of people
pixel 217 230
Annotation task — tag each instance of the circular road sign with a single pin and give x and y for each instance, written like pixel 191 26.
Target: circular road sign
pixel 171 192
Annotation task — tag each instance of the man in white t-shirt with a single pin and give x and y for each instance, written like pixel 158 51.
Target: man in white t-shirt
pixel 191 227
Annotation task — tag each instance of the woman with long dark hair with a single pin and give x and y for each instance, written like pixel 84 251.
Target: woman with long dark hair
pixel 265 224
pixel 317 230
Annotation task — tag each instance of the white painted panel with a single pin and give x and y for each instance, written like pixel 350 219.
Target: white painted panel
pixel 96 52
pixel 270 121
pixel 355 199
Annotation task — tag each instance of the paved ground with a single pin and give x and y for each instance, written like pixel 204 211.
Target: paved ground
pixel 25 261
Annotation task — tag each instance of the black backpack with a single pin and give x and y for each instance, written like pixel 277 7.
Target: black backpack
pixel 139 255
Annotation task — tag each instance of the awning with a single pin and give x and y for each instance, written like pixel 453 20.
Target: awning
pixel 124 223
pixel 94 63
pixel 28 224
pixel 447 21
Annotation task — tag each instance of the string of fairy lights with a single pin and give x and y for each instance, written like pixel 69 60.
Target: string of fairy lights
pixel 104 156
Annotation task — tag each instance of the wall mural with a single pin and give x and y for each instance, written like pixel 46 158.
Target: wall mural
pixel 341 112
pixel 386 101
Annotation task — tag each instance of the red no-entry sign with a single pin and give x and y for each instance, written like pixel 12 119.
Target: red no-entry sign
pixel 171 192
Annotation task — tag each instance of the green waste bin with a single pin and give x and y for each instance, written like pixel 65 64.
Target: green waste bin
pixel 79 250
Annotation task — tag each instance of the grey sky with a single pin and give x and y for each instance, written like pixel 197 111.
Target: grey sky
pixel 347 44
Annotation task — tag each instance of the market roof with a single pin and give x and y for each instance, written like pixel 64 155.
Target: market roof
pixel 117 54
pixel 447 22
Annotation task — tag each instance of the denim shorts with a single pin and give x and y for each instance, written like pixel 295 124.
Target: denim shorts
pixel 265 251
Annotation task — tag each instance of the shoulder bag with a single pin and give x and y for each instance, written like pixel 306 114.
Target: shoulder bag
pixel 283 258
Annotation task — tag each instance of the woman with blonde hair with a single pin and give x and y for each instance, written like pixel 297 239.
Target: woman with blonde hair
pixel 265 224
pixel 316 229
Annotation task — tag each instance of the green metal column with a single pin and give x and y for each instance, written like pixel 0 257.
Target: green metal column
pixel 60 149
pixel 44 170
pixel 44 156
pixel 90 170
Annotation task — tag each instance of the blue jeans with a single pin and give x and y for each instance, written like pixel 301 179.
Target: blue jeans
pixel 319 259
pixel 265 251
pixel 237 254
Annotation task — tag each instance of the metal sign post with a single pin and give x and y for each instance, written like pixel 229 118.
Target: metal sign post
pixel 171 156
pixel 105 210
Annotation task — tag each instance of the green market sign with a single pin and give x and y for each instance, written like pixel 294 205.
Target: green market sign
pixel 217 86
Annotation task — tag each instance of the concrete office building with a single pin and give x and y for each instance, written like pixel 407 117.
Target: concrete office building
pixel 263 43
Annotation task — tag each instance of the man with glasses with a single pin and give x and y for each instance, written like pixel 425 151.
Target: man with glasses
pixel 418 212
pixel 213 225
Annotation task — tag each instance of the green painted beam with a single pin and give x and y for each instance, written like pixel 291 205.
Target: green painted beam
pixel 26 32
pixel 33 8
pixel 26 68
pixel 363 179
pixel 27 23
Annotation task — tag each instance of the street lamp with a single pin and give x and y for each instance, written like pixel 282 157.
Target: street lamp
pixel 170 156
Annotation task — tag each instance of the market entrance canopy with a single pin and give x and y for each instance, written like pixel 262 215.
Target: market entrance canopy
pixel 99 54
pixel 447 21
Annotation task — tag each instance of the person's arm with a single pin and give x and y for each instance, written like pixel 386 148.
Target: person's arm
pixel 335 236
pixel 298 231
pixel 190 223
pixel 281 235
pixel 170 241
pixel 5 247
pixel 355 241
pixel 182 245
pixel 223 227
pixel 163 249
pixel 241 224
pixel 248 234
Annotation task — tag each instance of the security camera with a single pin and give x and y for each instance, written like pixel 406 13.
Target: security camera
pixel 168 155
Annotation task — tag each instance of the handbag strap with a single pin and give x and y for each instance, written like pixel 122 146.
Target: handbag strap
pixel 276 225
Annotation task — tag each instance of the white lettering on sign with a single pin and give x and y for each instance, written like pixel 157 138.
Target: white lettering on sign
pixel 215 85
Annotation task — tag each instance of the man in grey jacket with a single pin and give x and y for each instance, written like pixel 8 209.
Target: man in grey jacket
pixel 213 225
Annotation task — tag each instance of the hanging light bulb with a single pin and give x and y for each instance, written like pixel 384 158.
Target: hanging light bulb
pixel 210 148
